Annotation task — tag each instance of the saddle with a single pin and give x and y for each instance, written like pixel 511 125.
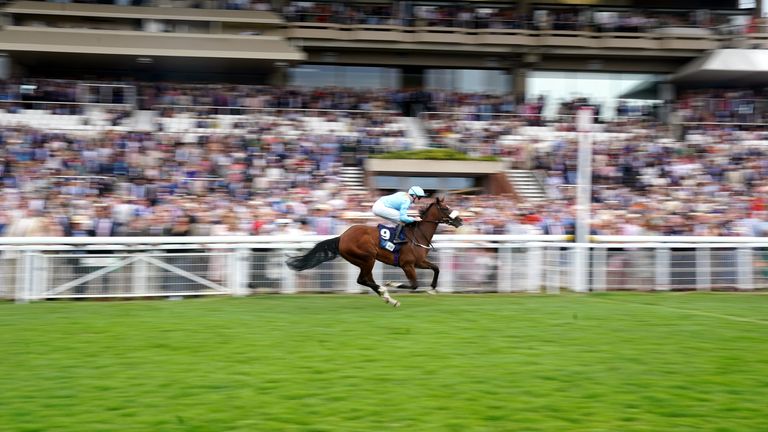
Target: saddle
pixel 386 237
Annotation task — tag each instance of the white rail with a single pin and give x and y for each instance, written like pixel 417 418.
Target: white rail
pixel 34 268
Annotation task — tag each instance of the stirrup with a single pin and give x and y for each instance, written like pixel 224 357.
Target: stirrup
pixel 396 238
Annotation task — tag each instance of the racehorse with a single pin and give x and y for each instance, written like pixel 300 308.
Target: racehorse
pixel 359 245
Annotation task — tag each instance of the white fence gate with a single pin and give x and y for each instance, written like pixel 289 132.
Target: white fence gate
pixel 44 268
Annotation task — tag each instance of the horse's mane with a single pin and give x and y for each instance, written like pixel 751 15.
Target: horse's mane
pixel 424 210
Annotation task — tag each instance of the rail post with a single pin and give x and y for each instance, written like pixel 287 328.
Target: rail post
pixel 535 263
pixel 744 270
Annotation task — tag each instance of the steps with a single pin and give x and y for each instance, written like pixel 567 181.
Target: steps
pixel 526 184
pixel 352 177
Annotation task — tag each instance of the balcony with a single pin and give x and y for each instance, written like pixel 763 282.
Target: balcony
pixel 464 39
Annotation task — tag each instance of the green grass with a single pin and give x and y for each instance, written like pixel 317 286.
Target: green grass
pixel 610 362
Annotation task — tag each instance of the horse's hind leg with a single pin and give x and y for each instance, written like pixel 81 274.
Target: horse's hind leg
pixel 366 278
pixel 410 273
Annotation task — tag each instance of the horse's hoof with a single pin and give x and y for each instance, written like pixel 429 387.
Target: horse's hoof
pixel 432 291
pixel 396 304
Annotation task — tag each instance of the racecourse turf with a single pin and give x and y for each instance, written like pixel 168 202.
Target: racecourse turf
pixel 617 362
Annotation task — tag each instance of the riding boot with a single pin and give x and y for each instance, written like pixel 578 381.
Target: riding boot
pixel 396 237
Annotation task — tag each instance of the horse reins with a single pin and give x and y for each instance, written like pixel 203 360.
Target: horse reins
pixel 445 219
pixel 429 241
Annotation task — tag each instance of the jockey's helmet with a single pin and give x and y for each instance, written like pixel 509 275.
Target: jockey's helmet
pixel 416 191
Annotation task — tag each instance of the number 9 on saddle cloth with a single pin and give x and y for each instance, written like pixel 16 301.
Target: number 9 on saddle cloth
pixel 386 237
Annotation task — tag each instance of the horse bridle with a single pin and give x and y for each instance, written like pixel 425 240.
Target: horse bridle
pixel 445 219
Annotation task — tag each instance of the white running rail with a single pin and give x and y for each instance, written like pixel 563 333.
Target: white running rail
pixel 33 268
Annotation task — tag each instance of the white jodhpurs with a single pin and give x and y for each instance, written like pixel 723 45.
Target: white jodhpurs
pixel 387 213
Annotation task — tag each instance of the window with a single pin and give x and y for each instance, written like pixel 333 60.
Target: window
pixel 363 77
pixel 468 80
pixel 427 183
pixel 603 88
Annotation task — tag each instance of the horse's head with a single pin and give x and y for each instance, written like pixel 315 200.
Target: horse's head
pixel 438 212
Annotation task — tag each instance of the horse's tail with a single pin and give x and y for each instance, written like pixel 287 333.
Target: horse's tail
pixel 324 251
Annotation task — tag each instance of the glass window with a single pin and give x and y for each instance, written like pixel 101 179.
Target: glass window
pixel 603 88
pixel 747 4
pixel 468 80
pixel 427 183
pixel 364 77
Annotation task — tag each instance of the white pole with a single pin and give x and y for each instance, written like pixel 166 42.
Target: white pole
pixel 584 120
pixel 535 262
pixel 744 269
pixel 241 270
pixel 504 269
pixel 584 174
pixel 288 276
pixel 663 269
pixel 703 269
pixel 445 281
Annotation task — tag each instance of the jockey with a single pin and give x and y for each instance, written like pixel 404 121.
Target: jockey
pixel 394 208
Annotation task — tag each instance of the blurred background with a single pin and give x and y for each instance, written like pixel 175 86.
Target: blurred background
pixel 276 121
pixel 179 149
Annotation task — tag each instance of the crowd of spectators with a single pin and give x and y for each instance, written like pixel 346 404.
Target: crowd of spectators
pixel 713 183
pixel 463 15
pixel 145 184
pixel 275 177
pixel 467 15
pixel 722 105
pixel 258 5
pixel 480 125
pixel 226 98
pixel 710 105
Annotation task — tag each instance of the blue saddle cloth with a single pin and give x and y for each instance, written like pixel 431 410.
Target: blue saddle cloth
pixel 386 237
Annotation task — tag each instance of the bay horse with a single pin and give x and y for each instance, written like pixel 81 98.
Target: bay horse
pixel 359 245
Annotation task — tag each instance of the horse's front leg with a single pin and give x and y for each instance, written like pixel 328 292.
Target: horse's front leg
pixel 435 273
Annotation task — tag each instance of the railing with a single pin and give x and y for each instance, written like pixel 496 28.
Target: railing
pixel 67 267
pixel 515 32
pixel 502 21
pixel 65 107
pixel 244 110
pixel 535 119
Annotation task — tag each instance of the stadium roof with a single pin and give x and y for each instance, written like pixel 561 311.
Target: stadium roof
pixel 727 68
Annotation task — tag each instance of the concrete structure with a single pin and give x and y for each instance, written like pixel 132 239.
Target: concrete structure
pixel 50 36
